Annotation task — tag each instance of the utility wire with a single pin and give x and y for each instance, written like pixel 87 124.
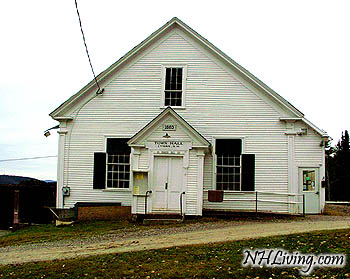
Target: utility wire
pixel 31 158
pixel 87 52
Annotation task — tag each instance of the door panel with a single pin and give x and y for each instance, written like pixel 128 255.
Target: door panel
pixel 309 186
pixel 167 183
pixel 160 178
pixel 175 182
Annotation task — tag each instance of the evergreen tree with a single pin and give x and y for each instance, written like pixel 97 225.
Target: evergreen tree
pixel 329 150
pixel 339 170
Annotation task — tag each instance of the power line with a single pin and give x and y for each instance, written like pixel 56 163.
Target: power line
pixel 87 52
pixel 31 158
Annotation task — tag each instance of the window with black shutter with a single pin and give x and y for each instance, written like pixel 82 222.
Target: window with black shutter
pixel 234 171
pixel 228 164
pixel 112 169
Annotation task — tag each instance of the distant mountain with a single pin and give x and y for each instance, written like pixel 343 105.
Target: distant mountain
pixel 13 179
pixel 50 181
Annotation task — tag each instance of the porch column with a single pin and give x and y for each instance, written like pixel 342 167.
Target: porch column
pixel 60 167
pixel 200 175
pixel 292 170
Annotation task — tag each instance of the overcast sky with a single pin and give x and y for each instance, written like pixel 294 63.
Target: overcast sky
pixel 301 49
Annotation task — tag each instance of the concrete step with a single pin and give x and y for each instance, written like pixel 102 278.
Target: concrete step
pixel 162 221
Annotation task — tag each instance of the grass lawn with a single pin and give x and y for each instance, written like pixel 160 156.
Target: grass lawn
pixel 222 260
pixel 49 232
pixel 43 233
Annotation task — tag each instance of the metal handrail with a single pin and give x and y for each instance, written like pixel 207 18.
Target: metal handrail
pixel 288 202
pixel 256 199
pixel 261 192
pixel 183 193
pixel 146 196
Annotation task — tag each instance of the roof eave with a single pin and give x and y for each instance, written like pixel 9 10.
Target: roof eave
pixel 112 68
pixel 241 69
pixel 201 39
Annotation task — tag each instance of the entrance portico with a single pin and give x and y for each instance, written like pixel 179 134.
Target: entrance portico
pixel 167 162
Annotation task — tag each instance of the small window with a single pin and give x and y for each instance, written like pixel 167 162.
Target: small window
pixel 118 163
pixel 309 180
pixel 173 90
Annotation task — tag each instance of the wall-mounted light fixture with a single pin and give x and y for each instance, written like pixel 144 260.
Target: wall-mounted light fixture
pixel 166 135
pixel 47 132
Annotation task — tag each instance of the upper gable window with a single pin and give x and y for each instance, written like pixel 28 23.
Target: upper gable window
pixel 174 87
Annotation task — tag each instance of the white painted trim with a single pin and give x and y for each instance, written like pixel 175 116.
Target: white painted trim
pixel 314 127
pixel 187 128
pixel 116 189
pixel 292 183
pixel 110 189
pixel 166 29
pixel 213 143
pixel 117 66
pixel 137 145
pixel 200 180
pixel 60 167
pixel 307 122
pixel 60 118
pixel 184 83
pixel 323 175
pixel 290 119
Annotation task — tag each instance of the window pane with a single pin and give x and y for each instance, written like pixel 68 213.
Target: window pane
pixel 309 180
pixel 118 163
pixel 173 87
pixel 179 79
pixel 228 147
pixel 167 79
pixel 228 172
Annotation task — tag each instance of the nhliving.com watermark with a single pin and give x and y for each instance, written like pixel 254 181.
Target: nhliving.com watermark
pixel 283 258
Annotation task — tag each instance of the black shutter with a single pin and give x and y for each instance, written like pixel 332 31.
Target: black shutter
pixel 248 172
pixel 99 170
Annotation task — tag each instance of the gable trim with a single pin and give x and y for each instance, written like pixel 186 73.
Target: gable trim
pixel 169 25
pixel 319 131
pixel 203 141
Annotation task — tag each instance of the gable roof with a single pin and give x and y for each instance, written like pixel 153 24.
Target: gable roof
pixel 58 113
pixel 168 111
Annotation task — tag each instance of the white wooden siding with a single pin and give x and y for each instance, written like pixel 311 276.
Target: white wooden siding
pixel 308 152
pixel 191 191
pixel 217 104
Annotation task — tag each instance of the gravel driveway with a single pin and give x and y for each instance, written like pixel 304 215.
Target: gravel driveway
pixel 197 233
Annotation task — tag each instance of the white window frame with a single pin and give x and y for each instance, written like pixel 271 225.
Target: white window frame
pixel 118 164
pixel 112 189
pixel 233 167
pixel 184 86
pixel 214 138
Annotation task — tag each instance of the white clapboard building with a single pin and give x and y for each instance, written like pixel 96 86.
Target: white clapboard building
pixel 180 127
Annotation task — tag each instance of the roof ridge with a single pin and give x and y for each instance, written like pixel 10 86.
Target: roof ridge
pixel 175 20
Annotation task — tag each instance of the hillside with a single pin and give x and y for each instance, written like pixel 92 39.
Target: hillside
pixel 13 179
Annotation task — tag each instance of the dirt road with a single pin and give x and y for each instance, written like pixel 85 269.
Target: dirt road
pixel 233 231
